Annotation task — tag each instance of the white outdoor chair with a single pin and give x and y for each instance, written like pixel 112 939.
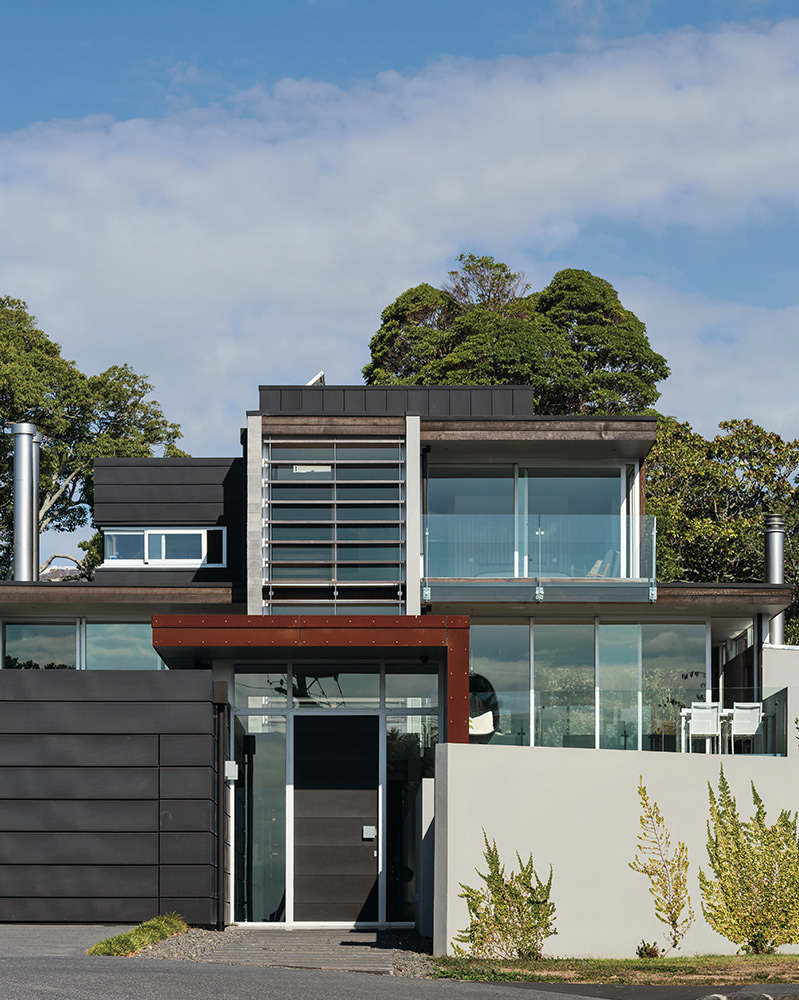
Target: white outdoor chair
pixel 747 717
pixel 704 722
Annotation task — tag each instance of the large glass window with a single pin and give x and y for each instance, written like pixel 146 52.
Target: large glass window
pixel 260 835
pixel 121 646
pixel 549 523
pixel 573 522
pixel 564 685
pixel 673 675
pixel 500 655
pixel 40 647
pixel 470 522
pixel 410 749
pixel 617 671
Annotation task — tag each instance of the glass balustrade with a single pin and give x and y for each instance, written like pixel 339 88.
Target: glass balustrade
pixel 588 547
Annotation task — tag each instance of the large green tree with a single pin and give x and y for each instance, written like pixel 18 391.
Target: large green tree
pixel 710 498
pixel 81 417
pixel 573 342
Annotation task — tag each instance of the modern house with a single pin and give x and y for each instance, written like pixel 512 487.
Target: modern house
pixel 304 679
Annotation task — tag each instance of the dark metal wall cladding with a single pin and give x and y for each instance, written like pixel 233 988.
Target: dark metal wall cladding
pixel 107 792
pixel 173 492
pixel 475 402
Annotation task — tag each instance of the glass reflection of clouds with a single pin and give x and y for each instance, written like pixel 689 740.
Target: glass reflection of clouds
pixel 40 646
pixel 120 646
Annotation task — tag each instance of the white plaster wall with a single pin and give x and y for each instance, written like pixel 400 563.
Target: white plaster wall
pixel 780 671
pixel 578 810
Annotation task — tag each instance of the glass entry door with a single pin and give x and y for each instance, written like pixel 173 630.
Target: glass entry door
pixel 336 775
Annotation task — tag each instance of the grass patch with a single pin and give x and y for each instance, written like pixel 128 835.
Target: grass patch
pixel 702 970
pixel 149 932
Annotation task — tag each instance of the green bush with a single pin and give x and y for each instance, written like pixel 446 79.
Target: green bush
pixel 509 917
pixel 754 899
pixel 134 940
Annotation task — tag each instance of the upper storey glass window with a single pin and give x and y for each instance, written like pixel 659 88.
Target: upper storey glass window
pixel 174 547
pixel 533 522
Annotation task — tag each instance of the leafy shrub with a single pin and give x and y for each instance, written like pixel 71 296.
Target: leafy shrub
pixel 646 950
pixel 509 917
pixel 754 899
pixel 667 872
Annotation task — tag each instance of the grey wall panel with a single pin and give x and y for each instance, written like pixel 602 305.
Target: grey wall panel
pixel 104 777
pixel 79 849
pixel 70 750
pixel 24 717
pixel 120 686
pixel 187 750
pixel 77 911
pixel 161 493
pixel 185 513
pixel 187 849
pixel 427 401
pixel 187 814
pixel 187 880
pixel 193 911
pixel 187 782
pixel 78 782
pixel 59 816
pixel 79 880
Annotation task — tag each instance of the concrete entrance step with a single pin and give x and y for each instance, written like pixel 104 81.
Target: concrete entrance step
pixel 345 951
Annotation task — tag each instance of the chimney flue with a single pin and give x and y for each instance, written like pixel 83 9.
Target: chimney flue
pixel 23 501
pixel 775 570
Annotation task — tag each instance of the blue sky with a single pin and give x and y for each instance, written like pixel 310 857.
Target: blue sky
pixel 228 194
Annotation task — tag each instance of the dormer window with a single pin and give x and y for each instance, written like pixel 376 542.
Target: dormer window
pixel 165 547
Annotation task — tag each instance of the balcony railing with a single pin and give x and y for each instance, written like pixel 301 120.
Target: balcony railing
pixel 545 547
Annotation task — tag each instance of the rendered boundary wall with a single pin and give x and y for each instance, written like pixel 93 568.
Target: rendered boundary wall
pixel 107 796
pixel 578 810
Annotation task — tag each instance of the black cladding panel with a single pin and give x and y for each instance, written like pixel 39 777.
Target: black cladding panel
pixel 107 796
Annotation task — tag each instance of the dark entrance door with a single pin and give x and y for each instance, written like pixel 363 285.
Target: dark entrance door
pixel 335 817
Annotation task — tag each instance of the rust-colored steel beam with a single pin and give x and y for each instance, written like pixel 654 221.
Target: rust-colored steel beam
pixel 378 632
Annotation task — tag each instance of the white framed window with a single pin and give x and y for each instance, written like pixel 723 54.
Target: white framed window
pixel 173 547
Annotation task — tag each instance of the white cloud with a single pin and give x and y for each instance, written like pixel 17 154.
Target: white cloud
pixel 258 239
pixel 727 360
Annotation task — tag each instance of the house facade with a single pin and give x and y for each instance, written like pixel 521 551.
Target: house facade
pixel 267 705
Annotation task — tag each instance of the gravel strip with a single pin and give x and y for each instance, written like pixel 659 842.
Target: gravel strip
pixel 410 952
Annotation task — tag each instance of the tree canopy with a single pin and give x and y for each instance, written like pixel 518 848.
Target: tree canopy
pixel 573 342
pixel 710 498
pixel 81 417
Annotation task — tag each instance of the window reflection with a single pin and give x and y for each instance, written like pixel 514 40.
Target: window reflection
pixel 120 646
pixel 618 686
pixel 410 749
pixel 321 686
pixel 673 675
pixel 564 685
pixel 501 654
pixel 40 647
pixel 260 834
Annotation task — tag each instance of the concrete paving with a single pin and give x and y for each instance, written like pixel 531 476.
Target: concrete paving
pixel 48 962
pixel 343 951
pixel 54 940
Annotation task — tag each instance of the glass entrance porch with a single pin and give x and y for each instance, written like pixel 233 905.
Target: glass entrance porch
pixel 326 812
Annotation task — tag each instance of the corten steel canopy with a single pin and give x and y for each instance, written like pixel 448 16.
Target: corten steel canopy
pixel 195 640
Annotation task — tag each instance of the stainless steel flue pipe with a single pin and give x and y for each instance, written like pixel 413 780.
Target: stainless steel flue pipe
pixel 774 533
pixel 24 494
